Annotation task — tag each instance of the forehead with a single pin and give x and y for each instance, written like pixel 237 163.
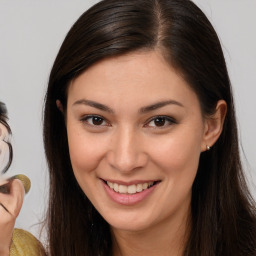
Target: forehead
pixel 137 77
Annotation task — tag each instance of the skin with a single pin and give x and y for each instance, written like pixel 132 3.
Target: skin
pixel 10 206
pixel 128 144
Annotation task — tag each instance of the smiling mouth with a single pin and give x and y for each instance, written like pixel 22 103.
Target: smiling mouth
pixel 131 189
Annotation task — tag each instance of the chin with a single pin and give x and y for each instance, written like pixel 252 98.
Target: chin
pixel 129 222
pixel 129 226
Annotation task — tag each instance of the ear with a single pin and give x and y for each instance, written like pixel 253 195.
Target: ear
pixel 214 125
pixel 59 105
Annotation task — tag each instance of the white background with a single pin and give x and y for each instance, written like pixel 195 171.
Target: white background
pixel 31 33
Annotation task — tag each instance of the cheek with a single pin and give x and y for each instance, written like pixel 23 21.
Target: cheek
pixel 177 158
pixel 178 154
pixel 85 151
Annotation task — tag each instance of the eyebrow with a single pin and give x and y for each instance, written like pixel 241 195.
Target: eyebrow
pixel 159 105
pixel 142 110
pixel 94 104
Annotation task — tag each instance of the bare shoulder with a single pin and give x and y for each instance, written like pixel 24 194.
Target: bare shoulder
pixel 24 244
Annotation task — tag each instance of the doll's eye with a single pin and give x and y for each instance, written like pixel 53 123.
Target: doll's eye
pixel 95 120
pixel 161 121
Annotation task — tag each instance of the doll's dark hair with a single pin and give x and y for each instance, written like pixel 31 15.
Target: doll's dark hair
pixel 222 209
pixel 3 120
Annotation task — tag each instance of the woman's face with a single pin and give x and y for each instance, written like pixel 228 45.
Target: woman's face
pixel 135 133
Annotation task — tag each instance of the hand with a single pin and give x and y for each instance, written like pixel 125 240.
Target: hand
pixel 10 204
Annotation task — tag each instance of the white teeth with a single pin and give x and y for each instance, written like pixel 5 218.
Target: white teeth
pixel 139 187
pixel 110 184
pixel 144 185
pixel 131 189
pixel 122 189
pixel 116 187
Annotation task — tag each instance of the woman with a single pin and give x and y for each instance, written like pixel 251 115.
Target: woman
pixel 141 138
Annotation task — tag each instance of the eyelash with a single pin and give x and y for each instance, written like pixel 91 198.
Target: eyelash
pixel 103 122
pixel 168 119
pixel 86 118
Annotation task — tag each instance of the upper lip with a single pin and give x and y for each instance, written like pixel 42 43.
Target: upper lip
pixel 128 183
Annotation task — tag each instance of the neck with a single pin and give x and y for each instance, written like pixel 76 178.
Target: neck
pixel 165 239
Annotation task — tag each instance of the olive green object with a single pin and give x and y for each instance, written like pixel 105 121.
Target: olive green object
pixel 25 244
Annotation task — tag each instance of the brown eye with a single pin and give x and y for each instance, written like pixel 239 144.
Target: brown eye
pixel 95 120
pixel 161 122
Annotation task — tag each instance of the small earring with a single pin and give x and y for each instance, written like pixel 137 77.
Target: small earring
pixel 208 147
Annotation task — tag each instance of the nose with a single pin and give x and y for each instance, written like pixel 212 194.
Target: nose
pixel 127 151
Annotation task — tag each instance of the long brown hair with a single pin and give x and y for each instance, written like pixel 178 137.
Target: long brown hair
pixel 223 211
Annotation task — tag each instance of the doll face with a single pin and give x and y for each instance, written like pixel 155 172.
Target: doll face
pixel 135 132
pixel 4 148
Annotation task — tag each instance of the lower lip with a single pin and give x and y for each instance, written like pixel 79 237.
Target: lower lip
pixel 128 199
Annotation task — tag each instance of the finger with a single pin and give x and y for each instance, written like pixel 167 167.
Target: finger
pixel 5 184
pixel 5 187
pixel 18 192
pixel 7 222
pixel 25 181
pixel 4 207
pixel 5 198
pixel 13 201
